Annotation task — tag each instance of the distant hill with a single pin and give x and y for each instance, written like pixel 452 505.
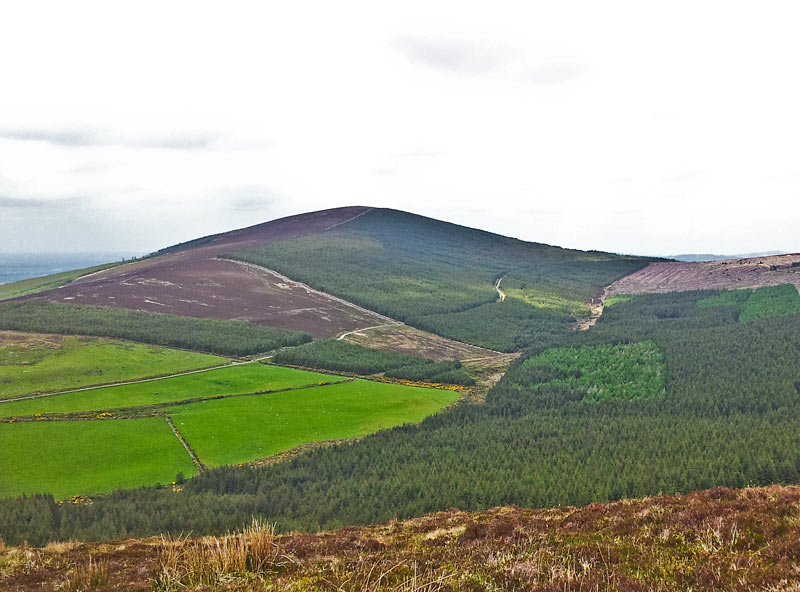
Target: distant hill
pixel 690 257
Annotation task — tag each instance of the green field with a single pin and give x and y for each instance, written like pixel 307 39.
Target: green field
pixel 237 430
pixel 47 282
pixel 31 362
pixel 244 378
pixel 66 458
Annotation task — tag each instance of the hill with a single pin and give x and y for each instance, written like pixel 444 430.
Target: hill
pixel 465 284
pixel 191 280
pixel 720 539
pixel 689 257
pixel 336 271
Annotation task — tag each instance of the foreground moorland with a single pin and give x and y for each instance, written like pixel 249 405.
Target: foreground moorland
pixel 720 539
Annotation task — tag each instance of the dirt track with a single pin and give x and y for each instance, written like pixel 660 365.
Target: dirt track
pixel 500 294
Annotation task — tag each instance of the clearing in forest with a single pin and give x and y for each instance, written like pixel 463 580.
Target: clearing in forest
pixel 663 276
pixel 600 372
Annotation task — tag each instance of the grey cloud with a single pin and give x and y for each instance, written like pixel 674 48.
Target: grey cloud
pixel 556 73
pixel 249 205
pixel 251 198
pixel 95 137
pixel 59 137
pixel 455 56
pixel 27 203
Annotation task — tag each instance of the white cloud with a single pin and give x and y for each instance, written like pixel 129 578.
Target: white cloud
pixel 618 126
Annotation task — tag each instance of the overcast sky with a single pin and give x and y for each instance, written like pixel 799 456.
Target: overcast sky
pixel 636 127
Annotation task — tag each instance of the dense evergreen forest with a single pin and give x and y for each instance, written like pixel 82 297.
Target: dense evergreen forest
pixel 340 356
pixel 726 413
pixel 232 338
pixel 441 277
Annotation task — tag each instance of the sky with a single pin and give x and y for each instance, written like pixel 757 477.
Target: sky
pixel 633 127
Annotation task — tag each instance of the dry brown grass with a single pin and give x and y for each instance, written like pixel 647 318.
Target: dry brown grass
pixel 210 561
pixel 91 575
pixel 60 546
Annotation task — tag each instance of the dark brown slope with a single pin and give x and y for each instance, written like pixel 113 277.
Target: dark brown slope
pixel 721 539
pixel 189 280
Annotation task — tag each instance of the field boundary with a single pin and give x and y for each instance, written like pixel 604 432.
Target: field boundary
pixel 136 381
pixel 367 211
pixel 133 411
pixel 192 454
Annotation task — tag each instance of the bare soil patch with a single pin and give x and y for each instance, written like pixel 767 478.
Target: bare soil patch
pixel 661 277
pixel 408 340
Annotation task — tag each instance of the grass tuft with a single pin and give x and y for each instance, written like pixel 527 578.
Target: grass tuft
pixel 92 575
pixel 211 561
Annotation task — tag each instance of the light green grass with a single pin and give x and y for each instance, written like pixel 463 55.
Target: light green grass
pixel 245 378
pixel 31 363
pixel 617 299
pixel 242 429
pixel 47 282
pixel 602 372
pixel 771 301
pixel 68 458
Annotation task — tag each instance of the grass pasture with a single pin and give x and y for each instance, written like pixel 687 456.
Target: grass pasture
pixel 229 431
pixel 37 362
pixel 243 378
pixel 66 458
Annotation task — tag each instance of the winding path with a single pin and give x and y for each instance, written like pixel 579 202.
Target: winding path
pixel 343 335
pixel 596 306
pixel 501 294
